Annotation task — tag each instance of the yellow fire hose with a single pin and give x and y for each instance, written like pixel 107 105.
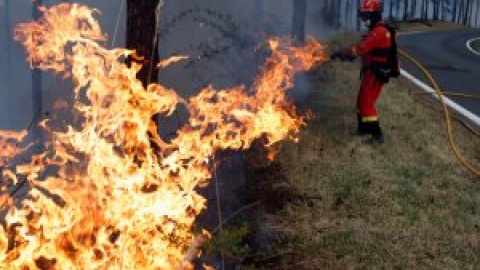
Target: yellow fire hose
pixel 458 118
pixel 466 165
pixel 460 95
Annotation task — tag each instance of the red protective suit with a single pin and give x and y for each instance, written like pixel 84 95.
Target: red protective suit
pixel 373 49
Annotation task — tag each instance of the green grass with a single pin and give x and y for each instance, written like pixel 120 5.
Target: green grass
pixel 230 243
pixel 406 204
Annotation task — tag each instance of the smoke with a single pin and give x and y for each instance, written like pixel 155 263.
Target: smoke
pixel 223 39
pixel 16 97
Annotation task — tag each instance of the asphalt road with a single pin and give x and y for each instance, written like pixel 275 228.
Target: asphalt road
pixel 445 54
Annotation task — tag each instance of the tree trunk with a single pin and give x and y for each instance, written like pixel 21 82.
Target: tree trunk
pixel 8 38
pixel 454 11
pixel 441 10
pixel 405 10
pixel 339 13
pixel 422 8
pixel 397 12
pixel 477 8
pixel 425 10
pixel 326 7
pixel 36 74
pixel 346 14
pixel 358 19
pixel 390 15
pixel 468 13
pixel 413 9
pixel 333 13
pixel 298 21
pixel 142 37
pixel 460 12
pixel 37 97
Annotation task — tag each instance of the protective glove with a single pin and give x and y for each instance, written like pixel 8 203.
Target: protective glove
pixel 342 55
pixel 336 55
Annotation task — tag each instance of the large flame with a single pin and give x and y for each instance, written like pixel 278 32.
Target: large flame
pixel 118 196
pixel 10 145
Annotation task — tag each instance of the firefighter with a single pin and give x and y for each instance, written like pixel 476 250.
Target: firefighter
pixel 379 62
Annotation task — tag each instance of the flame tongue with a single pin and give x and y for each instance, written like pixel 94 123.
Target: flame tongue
pixel 124 205
pixel 9 145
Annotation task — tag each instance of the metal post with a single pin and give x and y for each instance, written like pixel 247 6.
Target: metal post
pixel 298 22
pixel 37 102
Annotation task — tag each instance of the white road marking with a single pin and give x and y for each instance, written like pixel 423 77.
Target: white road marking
pixel 475 119
pixel 470 47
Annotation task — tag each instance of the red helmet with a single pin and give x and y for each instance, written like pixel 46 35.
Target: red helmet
pixel 371 6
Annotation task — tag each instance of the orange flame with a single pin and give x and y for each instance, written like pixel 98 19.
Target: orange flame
pixel 9 145
pixel 121 197
pixel 170 61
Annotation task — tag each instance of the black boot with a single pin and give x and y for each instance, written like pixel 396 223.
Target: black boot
pixel 362 128
pixel 376 131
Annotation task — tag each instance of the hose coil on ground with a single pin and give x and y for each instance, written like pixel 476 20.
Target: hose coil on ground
pixel 463 162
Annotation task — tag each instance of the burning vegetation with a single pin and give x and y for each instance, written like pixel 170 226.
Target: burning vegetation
pixel 118 196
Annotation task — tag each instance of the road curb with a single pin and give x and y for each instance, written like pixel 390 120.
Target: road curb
pixel 470 47
pixel 451 104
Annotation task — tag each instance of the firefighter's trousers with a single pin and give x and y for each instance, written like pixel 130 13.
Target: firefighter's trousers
pixel 370 89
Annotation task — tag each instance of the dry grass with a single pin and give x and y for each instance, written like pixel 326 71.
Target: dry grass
pixel 429 25
pixel 406 204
